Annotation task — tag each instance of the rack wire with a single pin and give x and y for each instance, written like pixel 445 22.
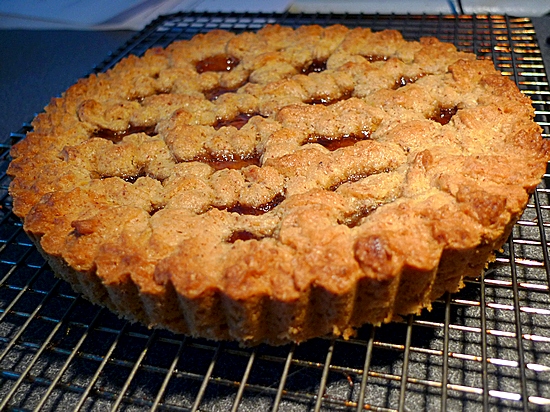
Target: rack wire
pixel 484 348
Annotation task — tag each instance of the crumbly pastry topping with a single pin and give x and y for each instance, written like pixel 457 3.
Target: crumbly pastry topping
pixel 279 185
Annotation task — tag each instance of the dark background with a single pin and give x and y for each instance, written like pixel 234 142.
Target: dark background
pixel 36 65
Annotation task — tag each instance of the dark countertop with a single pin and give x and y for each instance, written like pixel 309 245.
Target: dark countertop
pixel 39 64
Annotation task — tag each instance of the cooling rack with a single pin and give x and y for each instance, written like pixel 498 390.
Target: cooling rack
pixel 484 348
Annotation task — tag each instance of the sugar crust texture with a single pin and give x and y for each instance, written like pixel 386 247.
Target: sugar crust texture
pixel 279 185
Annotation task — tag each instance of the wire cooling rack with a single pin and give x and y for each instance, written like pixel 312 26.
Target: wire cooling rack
pixel 485 348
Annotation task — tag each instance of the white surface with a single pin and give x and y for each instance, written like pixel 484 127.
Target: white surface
pixel 527 8
pixel 79 12
pixel 82 14
pixel 252 6
pixel 135 14
pixel 521 8
pixel 85 14
pixel 372 7
pixel 115 14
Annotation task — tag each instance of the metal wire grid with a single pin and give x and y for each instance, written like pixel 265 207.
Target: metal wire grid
pixel 485 348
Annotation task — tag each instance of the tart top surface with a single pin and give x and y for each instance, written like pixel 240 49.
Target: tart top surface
pixel 264 163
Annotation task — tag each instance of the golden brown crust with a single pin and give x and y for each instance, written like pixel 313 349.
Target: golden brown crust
pixel 279 185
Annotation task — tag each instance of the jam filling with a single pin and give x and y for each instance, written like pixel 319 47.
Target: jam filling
pixel 237 122
pixel 375 58
pixel 213 94
pixel 443 115
pixel 155 210
pixel 355 219
pixel 242 235
pixel 333 143
pixel 405 80
pixel 230 161
pixel 316 66
pixel 218 63
pixel 127 178
pixel 255 210
pixel 132 179
pixel 117 135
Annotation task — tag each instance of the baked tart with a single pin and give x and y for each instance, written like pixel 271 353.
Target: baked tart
pixel 278 185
